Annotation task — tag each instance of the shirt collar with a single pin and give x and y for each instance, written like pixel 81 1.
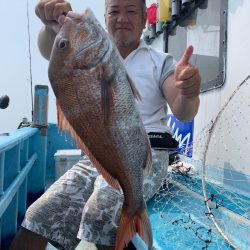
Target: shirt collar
pixel 142 45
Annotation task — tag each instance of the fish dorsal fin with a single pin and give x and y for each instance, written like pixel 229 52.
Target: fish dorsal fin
pixel 148 165
pixel 64 125
pixel 135 91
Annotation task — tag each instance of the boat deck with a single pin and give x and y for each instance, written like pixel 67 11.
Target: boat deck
pixel 178 215
pixel 82 246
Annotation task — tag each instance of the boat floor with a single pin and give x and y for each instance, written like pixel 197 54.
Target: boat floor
pixel 83 245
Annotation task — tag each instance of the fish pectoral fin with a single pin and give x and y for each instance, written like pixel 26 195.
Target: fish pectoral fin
pixel 135 91
pixel 106 92
pixel 129 226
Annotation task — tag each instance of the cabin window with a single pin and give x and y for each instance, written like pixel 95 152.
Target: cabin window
pixel 202 23
pixel 206 29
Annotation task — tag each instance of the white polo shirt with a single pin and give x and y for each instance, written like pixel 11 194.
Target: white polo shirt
pixel 148 68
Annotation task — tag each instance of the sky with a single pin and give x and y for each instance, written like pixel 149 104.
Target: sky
pixel 15 74
pixel 15 61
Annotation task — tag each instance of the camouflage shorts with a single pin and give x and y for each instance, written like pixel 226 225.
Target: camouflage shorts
pixel 81 205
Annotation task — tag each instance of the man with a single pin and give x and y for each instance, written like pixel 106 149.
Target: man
pixel 81 204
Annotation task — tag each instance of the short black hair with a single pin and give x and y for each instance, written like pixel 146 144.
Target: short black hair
pixel 144 6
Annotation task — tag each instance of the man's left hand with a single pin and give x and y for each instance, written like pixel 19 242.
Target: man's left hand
pixel 187 76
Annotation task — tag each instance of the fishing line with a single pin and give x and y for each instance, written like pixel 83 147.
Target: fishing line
pixel 30 60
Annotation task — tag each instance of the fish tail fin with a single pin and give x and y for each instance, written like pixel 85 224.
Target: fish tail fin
pixel 147 235
pixel 130 225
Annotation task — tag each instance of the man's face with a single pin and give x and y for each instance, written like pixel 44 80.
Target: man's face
pixel 125 21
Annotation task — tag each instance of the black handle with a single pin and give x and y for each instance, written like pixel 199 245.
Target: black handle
pixel 4 102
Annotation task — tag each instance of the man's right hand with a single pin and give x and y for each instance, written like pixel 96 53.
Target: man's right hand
pixel 52 13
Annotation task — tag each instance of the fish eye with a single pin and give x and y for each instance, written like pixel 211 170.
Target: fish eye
pixel 63 44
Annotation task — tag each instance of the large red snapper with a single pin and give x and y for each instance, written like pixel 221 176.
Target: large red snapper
pixel 96 104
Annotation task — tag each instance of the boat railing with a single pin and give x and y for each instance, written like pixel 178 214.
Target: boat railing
pixel 22 176
pixel 23 156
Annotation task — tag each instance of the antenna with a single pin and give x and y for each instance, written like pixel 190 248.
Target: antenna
pixel 30 62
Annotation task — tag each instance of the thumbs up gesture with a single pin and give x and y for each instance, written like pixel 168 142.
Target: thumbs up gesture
pixel 187 77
